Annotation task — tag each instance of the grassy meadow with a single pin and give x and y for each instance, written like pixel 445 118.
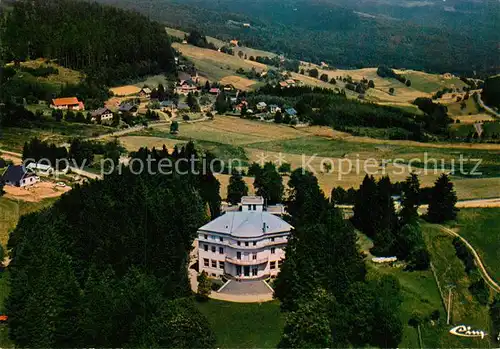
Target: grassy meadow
pixel 479 226
pixel 450 272
pixel 252 141
pixel 240 325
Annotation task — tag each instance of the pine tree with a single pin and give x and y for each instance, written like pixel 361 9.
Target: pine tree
pixel 443 199
pixel 269 184
pixel 237 188
pixel 204 286
pixel 364 212
pixel 411 199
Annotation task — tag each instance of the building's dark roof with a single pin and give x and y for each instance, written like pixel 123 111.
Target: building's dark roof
pixel 182 106
pixel 166 103
pixel 101 111
pixel 15 173
pixel 183 76
pixel 127 107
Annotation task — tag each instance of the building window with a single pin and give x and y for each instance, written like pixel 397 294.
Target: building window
pixel 221 265
pixel 205 247
pixel 221 239
pixel 273 250
pixel 254 256
pixel 213 249
pixel 221 250
pixel 206 237
pixel 205 262
pixel 246 243
pixel 238 255
pixel 272 265
pixel 214 264
pixel 255 243
pixel 272 239
pixel 239 243
pixel 254 271
pixel 255 207
pixel 249 207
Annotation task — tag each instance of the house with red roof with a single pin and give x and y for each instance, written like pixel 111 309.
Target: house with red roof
pixel 67 103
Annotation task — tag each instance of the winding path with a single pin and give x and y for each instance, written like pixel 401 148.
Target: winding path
pixel 484 273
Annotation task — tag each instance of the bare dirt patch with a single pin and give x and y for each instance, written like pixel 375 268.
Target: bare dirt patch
pixel 37 192
pixel 238 82
pixel 126 90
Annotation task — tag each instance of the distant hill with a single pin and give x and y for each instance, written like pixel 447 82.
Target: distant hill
pixel 108 44
pixel 459 36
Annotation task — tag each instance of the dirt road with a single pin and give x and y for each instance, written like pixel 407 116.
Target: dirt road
pixel 487 278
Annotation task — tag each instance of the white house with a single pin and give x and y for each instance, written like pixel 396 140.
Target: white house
pixel 67 103
pixel 18 176
pixel 246 244
pixel 39 168
pixel 261 106
pixel 102 114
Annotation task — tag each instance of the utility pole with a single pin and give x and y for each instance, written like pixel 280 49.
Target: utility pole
pixel 449 304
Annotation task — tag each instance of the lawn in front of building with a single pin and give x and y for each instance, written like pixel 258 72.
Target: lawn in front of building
pixel 244 325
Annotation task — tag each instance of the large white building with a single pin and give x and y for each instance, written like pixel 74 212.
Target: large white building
pixel 245 244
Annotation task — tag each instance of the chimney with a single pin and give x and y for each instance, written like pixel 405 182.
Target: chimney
pixel 263 227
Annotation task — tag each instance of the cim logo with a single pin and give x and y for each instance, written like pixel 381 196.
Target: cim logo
pixel 467 331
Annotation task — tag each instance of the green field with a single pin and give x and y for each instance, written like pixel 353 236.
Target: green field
pixel 430 82
pixel 480 226
pixel 244 325
pixel 450 272
pixel 13 138
pixel 11 210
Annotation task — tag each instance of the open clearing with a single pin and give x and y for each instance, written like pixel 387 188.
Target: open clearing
pixel 252 141
pixel 11 210
pixel 216 65
pixel 35 193
pixel 479 226
pixel 238 82
pixel 127 90
pixel 65 75
pixel 451 272
pixel 244 325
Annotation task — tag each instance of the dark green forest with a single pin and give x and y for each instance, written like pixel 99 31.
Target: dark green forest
pixel 110 45
pixel 427 38
pixel 107 267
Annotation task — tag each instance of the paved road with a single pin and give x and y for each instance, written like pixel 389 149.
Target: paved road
pixel 484 273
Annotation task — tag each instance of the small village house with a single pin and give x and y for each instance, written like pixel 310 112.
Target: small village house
pixel 234 43
pixel 214 91
pixel 261 106
pixel 101 114
pixel 185 87
pixel 145 92
pixel 273 108
pixel 291 112
pixel 67 103
pixel 19 176
pixel 128 108
pixel 245 244
pixel 40 169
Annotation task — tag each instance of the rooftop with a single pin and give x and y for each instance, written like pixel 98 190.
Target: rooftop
pixel 65 101
pixel 247 224
pixel 245 200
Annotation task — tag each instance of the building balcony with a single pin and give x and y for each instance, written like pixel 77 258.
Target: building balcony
pixel 246 261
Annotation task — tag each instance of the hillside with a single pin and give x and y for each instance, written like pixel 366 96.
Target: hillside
pixel 106 43
pixel 439 39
